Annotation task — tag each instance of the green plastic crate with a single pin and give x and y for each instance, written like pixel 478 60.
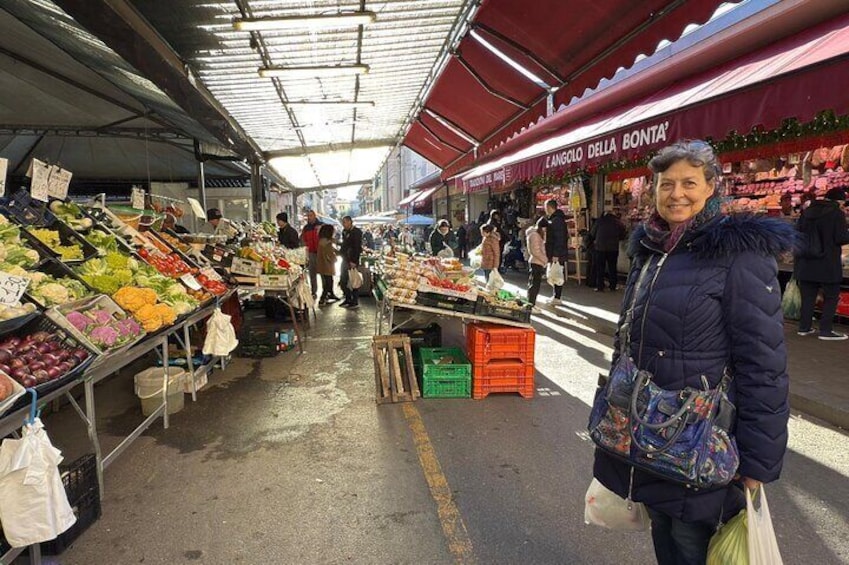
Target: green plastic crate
pixel 445 381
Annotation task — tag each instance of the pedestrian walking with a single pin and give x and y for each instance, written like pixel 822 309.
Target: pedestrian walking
pixel 537 259
pixel 287 235
pixel 462 242
pixel 309 237
pixel 496 222
pixel 490 250
pixel 606 233
pixel 556 242
pixel 326 263
pixel 351 249
pixel 701 310
pixel 818 265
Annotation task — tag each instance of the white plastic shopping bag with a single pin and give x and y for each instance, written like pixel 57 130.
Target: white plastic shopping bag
pixel 355 278
pixel 33 504
pixel 554 274
pixel 475 257
pixel 220 335
pixel 495 282
pixel 763 547
pixel 603 507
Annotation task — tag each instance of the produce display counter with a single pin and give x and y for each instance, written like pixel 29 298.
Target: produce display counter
pixel 386 315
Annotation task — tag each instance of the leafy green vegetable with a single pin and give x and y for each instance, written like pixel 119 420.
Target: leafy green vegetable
pixel 104 242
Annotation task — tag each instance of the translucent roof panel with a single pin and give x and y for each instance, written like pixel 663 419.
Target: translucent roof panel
pixel 401 48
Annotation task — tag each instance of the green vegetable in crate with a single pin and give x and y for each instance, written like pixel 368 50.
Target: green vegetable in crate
pixel 104 242
pixel 71 214
pixel 51 239
pixel 9 232
pixel 9 312
pixel 17 254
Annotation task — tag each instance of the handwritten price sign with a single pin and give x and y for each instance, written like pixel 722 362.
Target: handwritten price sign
pixel 12 288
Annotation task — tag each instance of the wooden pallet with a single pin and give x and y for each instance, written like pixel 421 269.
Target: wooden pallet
pixel 394 382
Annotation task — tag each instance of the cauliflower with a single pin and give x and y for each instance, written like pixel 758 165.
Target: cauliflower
pixel 128 328
pixel 15 270
pixel 101 317
pixel 79 321
pixel 51 294
pixel 104 336
pixel 132 298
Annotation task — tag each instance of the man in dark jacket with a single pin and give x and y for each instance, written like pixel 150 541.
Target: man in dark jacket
pixel 462 241
pixel 606 234
pixel 556 241
pixel 286 234
pixel 818 265
pixel 351 249
pixel 309 237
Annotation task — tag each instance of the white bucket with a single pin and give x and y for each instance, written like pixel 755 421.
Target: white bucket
pixel 149 389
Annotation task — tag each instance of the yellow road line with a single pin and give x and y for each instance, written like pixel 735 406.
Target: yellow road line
pixel 449 515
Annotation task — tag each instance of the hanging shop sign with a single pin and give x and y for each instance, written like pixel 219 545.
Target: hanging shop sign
pixel 494 179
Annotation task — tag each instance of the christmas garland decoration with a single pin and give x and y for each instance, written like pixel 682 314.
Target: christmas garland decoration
pixel 821 129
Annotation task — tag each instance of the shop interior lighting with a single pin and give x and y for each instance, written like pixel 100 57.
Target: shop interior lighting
pixel 312 71
pixel 336 103
pixel 318 21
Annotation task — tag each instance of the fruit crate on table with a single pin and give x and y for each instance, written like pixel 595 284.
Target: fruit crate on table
pixel 444 380
pixel 66 342
pixel 57 270
pixel 503 376
pixel 490 342
pixel 58 314
pixel 67 236
pixel 484 308
pixel 445 302
pixel 27 211
pixel 80 480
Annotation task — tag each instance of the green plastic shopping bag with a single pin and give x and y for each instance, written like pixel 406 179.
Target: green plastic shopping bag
pixel 730 545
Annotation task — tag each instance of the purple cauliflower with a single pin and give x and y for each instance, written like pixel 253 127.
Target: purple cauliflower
pixel 101 317
pixel 104 336
pixel 79 321
pixel 128 328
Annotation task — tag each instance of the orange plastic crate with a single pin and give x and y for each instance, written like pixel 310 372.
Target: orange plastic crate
pixel 491 342
pixel 502 376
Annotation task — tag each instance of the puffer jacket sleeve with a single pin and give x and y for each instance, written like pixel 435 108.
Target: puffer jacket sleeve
pixel 755 325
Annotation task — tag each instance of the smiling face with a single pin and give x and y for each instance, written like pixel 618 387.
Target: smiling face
pixel 682 192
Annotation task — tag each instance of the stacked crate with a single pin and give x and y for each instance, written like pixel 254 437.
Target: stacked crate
pixel 502 359
pixel 445 373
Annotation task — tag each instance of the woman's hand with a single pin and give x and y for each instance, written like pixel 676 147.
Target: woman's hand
pixel 751 484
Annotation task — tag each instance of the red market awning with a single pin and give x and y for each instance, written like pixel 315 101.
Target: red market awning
pixel 407 200
pixel 479 98
pixel 424 197
pixel 795 78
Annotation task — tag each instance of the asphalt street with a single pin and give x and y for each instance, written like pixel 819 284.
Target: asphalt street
pixel 289 460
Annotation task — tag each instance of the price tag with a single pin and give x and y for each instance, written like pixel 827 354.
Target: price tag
pixel 4 166
pixel 12 288
pixel 137 198
pixel 211 274
pixel 40 179
pixel 57 185
pixel 191 282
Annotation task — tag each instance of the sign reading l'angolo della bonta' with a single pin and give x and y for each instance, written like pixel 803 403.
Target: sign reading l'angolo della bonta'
pixel 610 146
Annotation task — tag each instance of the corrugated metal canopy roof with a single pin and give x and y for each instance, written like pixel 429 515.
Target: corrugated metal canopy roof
pixel 402 48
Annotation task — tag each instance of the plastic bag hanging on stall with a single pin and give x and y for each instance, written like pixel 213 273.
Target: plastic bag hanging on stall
pixel 33 503
pixel 220 335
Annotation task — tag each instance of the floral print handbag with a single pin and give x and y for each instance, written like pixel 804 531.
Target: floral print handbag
pixel 680 435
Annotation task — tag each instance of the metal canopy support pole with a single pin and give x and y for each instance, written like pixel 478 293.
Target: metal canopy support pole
pixel 202 184
pixel 256 190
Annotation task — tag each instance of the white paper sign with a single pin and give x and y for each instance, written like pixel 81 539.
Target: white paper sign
pixel 211 274
pixel 60 179
pixel 40 179
pixel 137 200
pixel 191 282
pixel 197 208
pixel 12 288
pixel 4 166
pixel 244 267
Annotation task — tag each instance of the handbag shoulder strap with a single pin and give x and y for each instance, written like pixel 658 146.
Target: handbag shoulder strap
pixel 625 330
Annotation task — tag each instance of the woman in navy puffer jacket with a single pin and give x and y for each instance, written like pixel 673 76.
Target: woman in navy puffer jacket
pixel 715 303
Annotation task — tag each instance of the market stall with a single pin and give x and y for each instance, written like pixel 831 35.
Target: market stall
pixel 494 352
pixel 87 290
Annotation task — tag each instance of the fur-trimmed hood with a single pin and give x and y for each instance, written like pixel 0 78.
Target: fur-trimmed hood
pixel 728 235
